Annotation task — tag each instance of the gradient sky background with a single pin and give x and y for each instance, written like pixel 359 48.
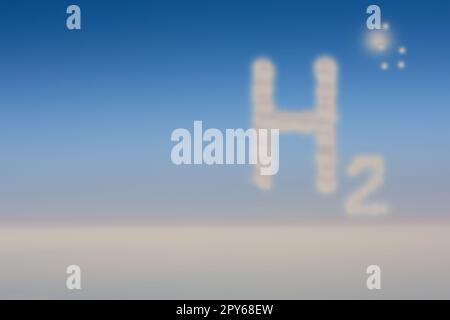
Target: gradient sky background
pixel 86 116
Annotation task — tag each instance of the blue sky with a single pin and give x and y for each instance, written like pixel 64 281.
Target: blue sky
pixel 86 116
